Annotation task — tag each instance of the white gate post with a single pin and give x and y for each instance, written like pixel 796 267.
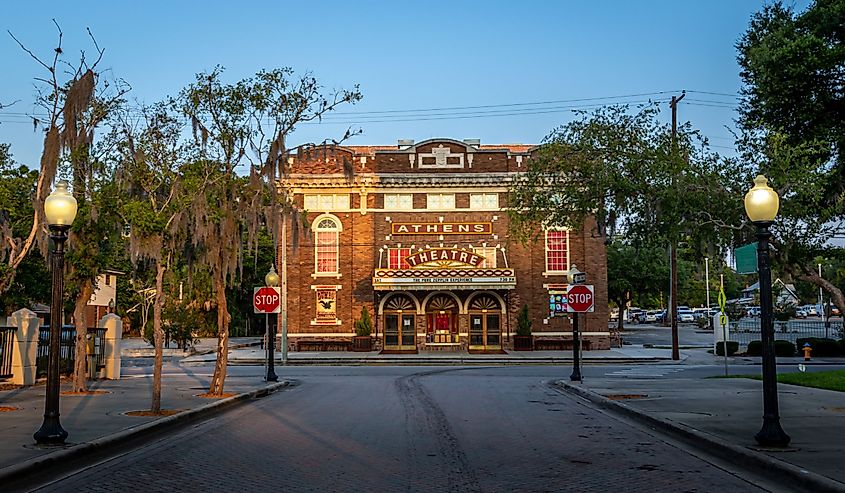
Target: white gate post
pixel 25 346
pixel 113 336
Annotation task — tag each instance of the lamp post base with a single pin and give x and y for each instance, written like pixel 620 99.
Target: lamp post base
pixel 771 434
pixel 51 431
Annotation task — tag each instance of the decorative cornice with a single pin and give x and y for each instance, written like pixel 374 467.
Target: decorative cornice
pixel 397 180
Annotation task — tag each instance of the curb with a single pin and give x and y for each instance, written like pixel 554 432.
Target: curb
pixel 17 472
pixel 434 362
pixel 777 470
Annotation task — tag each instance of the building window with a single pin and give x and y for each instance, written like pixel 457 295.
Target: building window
pixel 557 251
pixel 108 280
pixel 326 233
pixel 396 258
pixel 489 254
pixel 440 201
pixel 399 201
pixel 326 202
pixel 484 201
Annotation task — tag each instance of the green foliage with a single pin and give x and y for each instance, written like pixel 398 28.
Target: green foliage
pixel 735 311
pixel 793 120
pixel 364 325
pixel 821 347
pixel 523 322
pixel 783 311
pixel 620 167
pixel 636 271
pixel 733 347
pixel 782 348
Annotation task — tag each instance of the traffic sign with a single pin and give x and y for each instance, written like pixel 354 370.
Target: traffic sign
pixel 579 278
pixel 580 298
pixel 267 299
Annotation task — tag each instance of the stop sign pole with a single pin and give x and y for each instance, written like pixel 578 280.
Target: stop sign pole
pixel 579 299
pixel 267 300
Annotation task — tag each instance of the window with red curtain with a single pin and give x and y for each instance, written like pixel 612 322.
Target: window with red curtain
pixel 326 236
pixel 556 251
pixel 396 258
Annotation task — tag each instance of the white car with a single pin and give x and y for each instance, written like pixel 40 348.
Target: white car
pixel 651 316
pixel 686 316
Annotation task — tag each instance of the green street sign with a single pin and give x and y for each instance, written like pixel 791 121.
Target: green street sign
pixel 746 259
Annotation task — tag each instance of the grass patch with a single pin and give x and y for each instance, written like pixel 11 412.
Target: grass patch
pixel 828 380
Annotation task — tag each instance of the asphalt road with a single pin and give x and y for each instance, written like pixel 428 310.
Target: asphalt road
pixel 411 429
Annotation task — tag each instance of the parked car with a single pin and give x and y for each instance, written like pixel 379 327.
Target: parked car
pixel 800 313
pixel 810 310
pixel 651 316
pixel 753 311
pixel 685 315
pixel 636 315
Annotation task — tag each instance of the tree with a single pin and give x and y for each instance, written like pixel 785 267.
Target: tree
pixel 635 270
pixel 618 166
pixel 153 204
pixel 793 122
pixel 229 126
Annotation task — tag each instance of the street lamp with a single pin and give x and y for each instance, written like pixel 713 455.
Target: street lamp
pixel 271 279
pixel 761 205
pixel 60 211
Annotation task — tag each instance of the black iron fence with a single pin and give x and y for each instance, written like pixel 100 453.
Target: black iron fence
pixel 747 330
pixel 7 339
pixel 67 349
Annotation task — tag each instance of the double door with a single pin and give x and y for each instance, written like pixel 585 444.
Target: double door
pixel 485 332
pixel 400 332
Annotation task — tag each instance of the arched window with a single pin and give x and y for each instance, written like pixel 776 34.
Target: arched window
pixel 326 232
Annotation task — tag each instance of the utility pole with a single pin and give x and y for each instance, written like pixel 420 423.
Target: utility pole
pixel 673 267
pixel 707 285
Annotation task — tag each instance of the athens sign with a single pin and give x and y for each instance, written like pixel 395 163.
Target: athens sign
pixel 483 228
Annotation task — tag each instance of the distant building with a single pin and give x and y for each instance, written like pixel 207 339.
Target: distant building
pixel 418 234
pixel 105 293
pixel 786 296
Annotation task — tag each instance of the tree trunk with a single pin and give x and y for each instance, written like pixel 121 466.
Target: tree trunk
pixel 80 320
pixel 811 276
pixel 220 366
pixel 620 325
pixel 158 337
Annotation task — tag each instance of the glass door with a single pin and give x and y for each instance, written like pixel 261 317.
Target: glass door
pixel 399 332
pixel 485 332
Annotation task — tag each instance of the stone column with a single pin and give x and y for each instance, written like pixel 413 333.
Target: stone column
pixel 24 347
pixel 114 334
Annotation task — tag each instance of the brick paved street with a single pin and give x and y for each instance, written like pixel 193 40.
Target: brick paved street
pixel 410 429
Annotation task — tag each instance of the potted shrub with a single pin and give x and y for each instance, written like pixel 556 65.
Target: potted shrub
pixel 523 341
pixel 363 328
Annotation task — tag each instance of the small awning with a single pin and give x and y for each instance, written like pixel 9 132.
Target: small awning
pixel 438 279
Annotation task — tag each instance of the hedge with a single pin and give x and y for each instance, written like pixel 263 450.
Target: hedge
pixel 782 348
pixel 821 346
pixel 733 347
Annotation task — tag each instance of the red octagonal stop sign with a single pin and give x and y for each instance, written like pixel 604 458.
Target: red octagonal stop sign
pixel 267 300
pixel 579 298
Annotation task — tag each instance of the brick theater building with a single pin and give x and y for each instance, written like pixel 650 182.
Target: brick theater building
pixel 418 233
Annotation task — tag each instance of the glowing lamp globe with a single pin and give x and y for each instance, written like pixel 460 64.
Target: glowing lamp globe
pixel 271 279
pixel 60 206
pixel 761 202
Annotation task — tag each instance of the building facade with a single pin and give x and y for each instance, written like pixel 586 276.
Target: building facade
pixel 418 234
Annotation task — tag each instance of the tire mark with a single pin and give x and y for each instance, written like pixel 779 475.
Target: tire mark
pixel 425 422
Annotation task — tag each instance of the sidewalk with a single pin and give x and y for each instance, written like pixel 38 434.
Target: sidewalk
pixel 137 347
pixel 99 420
pixel 255 356
pixel 723 415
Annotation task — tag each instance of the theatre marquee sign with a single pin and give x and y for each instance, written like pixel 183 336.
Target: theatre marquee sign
pixel 451 278
pixel 482 228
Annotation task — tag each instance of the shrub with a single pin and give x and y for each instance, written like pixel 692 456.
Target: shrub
pixel 523 322
pixel 782 348
pixel 364 325
pixel 733 347
pixel 821 346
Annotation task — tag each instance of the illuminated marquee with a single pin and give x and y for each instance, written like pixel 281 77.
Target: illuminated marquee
pixel 484 228
pixel 444 256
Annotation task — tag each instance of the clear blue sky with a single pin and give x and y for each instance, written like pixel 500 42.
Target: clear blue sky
pixel 405 56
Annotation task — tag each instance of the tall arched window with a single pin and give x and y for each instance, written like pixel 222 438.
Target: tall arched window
pixel 326 232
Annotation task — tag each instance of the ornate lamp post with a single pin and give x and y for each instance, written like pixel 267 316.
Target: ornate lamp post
pixel 60 211
pixel 271 279
pixel 761 205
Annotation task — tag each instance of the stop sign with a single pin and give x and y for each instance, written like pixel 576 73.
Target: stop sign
pixel 579 298
pixel 267 300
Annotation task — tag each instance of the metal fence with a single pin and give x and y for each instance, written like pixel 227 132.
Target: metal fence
pixel 747 330
pixel 67 346
pixel 7 338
